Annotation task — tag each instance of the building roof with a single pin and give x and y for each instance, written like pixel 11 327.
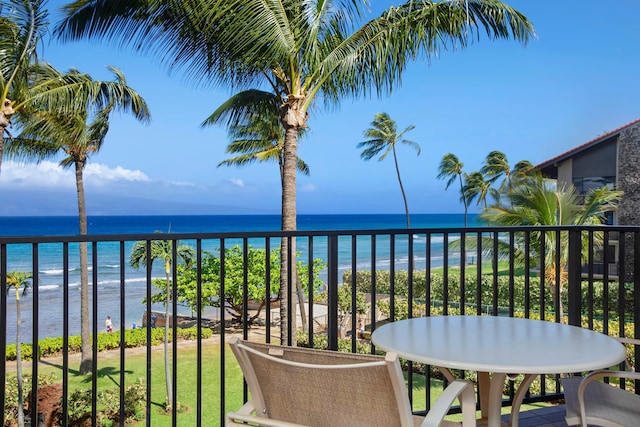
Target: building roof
pixel 585 146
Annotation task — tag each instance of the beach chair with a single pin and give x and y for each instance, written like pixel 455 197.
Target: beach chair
pixel 295 386
pixel 590 401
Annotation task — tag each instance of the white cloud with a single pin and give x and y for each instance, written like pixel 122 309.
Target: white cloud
pixel 237 181
pixel 49 174
pixel 308 188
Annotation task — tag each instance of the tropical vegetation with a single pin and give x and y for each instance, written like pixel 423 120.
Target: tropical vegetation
pixel 450 168
pixel 303 52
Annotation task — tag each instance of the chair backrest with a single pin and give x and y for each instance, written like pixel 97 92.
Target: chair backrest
pixel 314 387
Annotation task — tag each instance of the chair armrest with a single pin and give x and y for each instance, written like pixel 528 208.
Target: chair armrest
pixel 459 389
pixel 244 415
pixel 600 374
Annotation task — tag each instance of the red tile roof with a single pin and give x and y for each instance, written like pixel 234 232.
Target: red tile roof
pixel 586 145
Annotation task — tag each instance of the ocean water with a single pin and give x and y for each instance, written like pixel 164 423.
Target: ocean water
pixel 50 263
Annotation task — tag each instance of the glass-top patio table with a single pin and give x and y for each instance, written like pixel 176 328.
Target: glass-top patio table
pixel 496 347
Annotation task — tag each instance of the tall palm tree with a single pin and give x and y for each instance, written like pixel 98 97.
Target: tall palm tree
pixel 303 51
pixel 162 250
pixel 258 137
pixel 19 281
pixel 535 203
pixel 383 136
pixel 451 169
pixel 77 134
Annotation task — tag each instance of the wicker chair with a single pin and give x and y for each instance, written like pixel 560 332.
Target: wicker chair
pixel 294 386
pixel 589 402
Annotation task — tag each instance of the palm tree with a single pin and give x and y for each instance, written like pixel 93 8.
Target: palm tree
pixel 46 133
pixel 259 137
pixel 25 82
pixel 19 281
pixel 451 169
pixel 383 136
pixel 303 51
pixel 535 203
pixel 162 250
pixel 476 186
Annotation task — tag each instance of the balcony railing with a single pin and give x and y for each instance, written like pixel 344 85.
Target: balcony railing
pixel 515 271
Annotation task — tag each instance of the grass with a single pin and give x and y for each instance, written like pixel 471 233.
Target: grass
pixel 136 366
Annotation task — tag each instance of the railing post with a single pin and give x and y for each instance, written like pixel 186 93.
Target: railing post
pixel 332 292
pixel 574 273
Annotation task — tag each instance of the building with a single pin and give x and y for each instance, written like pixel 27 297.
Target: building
pixel 611 159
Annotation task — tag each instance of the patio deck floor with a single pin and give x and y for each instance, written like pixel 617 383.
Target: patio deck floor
pixel 552 416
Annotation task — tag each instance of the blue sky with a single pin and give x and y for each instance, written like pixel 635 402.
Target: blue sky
pixel 577 80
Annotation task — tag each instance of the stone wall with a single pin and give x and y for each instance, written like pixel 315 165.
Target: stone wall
pixel 629 183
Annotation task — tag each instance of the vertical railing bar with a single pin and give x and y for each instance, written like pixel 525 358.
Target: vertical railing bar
pixel 621 294
pixel 410 309
pixel 291 306
pixel 494 267
pixel 310 288
pixel 149 278
pixel 512 296
pixel 267 248
pixel 374 301
pixel 123 344
pixel 392 276
pixel 223 347
pixel 445 274
pixel 65 333
pixel 332 292
pixel 463 266
pixel 174 331
pixel 354 306
pixel 527 274
pixel 94 326
pixel 542 273
pixel 636 299
pixel 199 332
pixel 590 280
pixel 33 406
pixel 3 324
pixel 479 274
pixel 427 273
pixel 558 285
pixel 245 288
pixel 605 284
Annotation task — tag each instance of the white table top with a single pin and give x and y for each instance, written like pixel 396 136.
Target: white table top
pixel 499 344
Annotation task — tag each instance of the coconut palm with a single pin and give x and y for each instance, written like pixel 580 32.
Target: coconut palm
pixel 259 136
pixel 476 186
pixel 383 136
pixel 162 250
pixel 77 133
pixel 495 166
pixel 451 169
pixel 19 281
pixel 25 82
pixel 303 51
pixel 535 203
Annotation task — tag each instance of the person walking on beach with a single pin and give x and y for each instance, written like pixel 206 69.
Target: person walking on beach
pixel 108 324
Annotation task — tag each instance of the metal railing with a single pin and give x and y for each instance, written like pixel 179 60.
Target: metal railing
pixel 513 271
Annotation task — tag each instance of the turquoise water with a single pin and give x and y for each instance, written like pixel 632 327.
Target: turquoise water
pixel 50 270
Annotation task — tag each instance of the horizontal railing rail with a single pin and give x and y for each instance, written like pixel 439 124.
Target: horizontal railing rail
pixel 350 281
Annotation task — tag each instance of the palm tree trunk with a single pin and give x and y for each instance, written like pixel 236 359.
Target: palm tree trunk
pixel 167 370
pixel 289 216
pixel 19 362
pixel 5 120
pixel 86 358
pixel 464 200
pixel 404 196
